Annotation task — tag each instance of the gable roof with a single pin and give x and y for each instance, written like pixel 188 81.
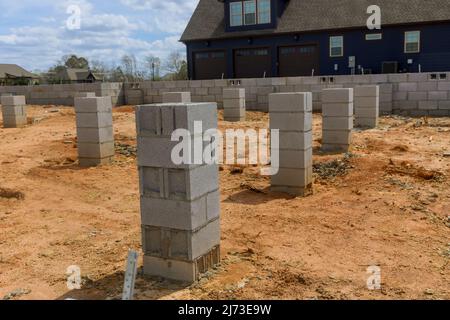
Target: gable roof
pixel 14 71
pixel 208 20
pixel 70 74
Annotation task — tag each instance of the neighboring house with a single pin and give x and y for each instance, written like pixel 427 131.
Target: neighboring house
pixel 12 74
pixel 257 38
pixel 69 75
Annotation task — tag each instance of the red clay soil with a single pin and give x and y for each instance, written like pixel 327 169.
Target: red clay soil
pixel 387 203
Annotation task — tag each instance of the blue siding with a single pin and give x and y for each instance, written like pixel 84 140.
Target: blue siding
pixel 434 54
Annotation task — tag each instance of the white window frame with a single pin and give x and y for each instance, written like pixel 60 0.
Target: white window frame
pixel 331 47
pixel 376 36
pixel 418 42
pixel 269 12
pixel 244 14
pixel 231 13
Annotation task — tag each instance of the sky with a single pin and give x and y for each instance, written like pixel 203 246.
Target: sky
pixel 35 34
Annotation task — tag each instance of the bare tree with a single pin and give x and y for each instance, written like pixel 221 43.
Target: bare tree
pixel 153 65
pixel 176 66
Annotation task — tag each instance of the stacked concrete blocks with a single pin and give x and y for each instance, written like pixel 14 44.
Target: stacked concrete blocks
pixel 180 202
pixel 176 97
pixel 14 111
pixel 95 132
pixel 291 114
pixel 337 126
pixel 367 106
pixel 234 104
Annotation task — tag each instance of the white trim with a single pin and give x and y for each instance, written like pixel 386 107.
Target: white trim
pixel 419 41
pixel 342 47
pixel 375 36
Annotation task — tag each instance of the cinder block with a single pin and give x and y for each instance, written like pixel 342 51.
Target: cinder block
pixel 371 122
pixel 367 91
pixel 94 120
pixel 296 140
pixel 336 137
pixel 93 105
pixel 233 93
pixel 234 113
pixel 290 102
pixel 13 100
pixel 10 122
pixel 176 97
pixel 299 122
pixel 337 109
pixel 84 95
pixel 337 123
pixel 179 184
pixel 181 270
pixel 95 150
pixel 234 104
pixel 337 95
pixel 296 159
pixel 14 111
pixel 178 214
pixel 95 135
pixel 150 122
pixel 181 244
pixel 292 178
pixel 366 102
pixel 367 112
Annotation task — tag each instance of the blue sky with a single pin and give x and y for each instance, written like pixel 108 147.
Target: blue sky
pixel 34 33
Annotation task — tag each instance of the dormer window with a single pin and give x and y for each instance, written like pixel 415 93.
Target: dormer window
pixel 250 12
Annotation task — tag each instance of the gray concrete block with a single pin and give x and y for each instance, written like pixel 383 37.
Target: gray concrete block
pixel 293 159
pixel 233 93
pixel 293 178
pixel 95 135
pixel 84 95
pixel 176 97
pixel 337 123
pixel 13 100
pixel 367 112
pixel 296 140
pixel 361 122
pixel 177 214
pixel 299 122
pixel 367 102
pixel 337 109
pixel 367 91
pixel 336 137
pixel 93 105
pixel 94 120
pixel 181 244
pixel 234 113
pixel 10 122
pixel 150 121
pixel 181 270
pixel 291 102
pixel 234 104
pixel 179 184
pixel 338 95
pixel 95 150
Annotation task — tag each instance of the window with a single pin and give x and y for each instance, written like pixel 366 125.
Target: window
pixel 264 11
pixel 337 46
pixel 374 36
pixel 250 12
pixel 236 14
pixel 412 41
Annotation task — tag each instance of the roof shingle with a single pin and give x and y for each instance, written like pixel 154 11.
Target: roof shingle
pixel 208 22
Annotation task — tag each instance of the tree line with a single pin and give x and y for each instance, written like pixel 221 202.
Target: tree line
pixel 128 69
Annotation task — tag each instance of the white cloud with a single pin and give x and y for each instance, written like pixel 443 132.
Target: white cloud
pixel 144 27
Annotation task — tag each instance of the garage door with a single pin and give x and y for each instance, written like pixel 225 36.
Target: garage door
pixel 298 60
pixel 252 63
pixel 209 65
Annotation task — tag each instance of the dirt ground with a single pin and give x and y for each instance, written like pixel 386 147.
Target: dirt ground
pixel 385 204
